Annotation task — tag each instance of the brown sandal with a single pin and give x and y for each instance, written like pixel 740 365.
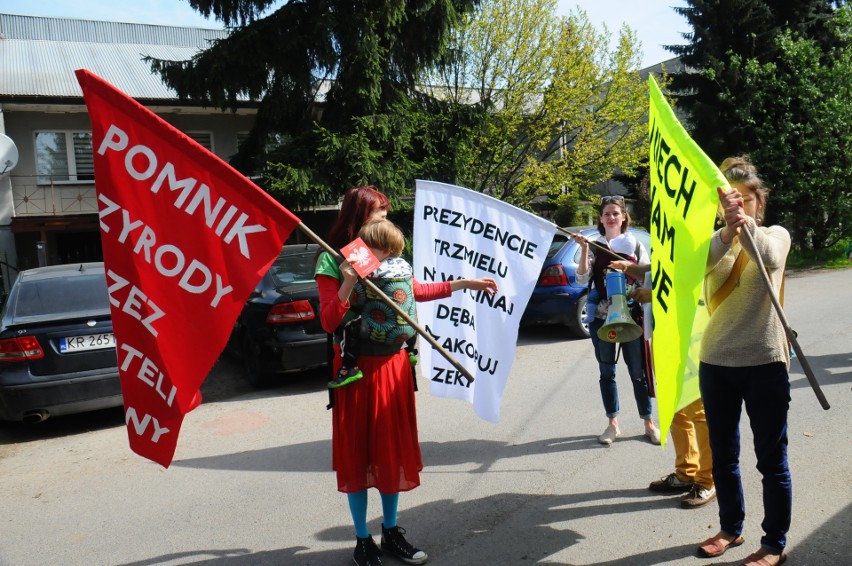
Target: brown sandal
pixel 717 545
pixel 760 558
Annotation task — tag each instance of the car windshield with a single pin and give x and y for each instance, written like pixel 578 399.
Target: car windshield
pixel 293 268
pixel 556 245
pixel 57 296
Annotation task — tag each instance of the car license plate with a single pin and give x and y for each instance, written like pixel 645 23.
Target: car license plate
pixel 87 342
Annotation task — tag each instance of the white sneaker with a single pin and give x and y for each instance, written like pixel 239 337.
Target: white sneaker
pixel 697 497
pixel 610 434
pixel 653 435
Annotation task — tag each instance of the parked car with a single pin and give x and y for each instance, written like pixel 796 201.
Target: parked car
pixel 57 348
pixel 557 297
pixel 278 331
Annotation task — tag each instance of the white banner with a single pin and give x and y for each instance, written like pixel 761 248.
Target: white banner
pixel 459 233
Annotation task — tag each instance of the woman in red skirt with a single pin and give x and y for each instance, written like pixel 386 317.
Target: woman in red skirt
pixel 374 420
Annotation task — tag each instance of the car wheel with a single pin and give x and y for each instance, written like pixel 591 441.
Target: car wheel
pixel 250 353
pixel 576 325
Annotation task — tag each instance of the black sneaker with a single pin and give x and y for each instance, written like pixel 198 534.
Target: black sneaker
pixel 671 484
pixel 394 543
pixel 367 553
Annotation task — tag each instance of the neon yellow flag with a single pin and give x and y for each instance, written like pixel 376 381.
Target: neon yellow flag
pixel 683 207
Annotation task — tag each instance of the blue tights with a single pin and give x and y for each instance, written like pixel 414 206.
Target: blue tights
pixel 358 508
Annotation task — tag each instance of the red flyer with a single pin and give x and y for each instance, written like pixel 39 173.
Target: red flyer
pixel 360 257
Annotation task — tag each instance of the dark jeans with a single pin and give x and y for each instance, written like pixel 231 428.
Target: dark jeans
pixel 632 353
pixel 765 390
pixel 348 336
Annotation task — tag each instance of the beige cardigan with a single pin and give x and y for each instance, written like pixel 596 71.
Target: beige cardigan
pixel 745 330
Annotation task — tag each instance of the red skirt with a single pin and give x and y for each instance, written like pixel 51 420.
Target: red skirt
pixel 374 427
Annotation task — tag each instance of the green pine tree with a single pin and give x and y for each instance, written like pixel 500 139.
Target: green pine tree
pixel 800 114
pixel 359 58
pixel 711 89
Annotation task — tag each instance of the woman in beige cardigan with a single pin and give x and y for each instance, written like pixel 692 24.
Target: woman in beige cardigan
pixel 743 360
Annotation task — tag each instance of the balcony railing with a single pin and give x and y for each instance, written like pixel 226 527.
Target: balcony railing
pixel 30 198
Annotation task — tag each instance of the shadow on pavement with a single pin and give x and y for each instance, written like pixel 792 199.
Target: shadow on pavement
pixel 226 383
pixel 316 456
pixel 223 384
pixel 443 528
pixel 830 369
pixel 830 544
pixel 57 427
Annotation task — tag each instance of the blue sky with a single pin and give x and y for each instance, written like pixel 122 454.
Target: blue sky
pixel 654 20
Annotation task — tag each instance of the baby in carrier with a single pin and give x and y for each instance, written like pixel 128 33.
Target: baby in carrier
pixel 625 246
pixel 374 328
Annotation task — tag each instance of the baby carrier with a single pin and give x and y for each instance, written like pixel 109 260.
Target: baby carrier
pixel 382 330
pixel 377 328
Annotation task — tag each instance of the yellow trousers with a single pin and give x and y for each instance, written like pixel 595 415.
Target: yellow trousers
pixel 693 459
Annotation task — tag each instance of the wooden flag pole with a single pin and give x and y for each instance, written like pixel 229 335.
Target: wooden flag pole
pixel 791 336
pixel 372 286
pixel 591 242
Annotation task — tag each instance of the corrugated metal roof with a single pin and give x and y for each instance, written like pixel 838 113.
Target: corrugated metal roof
pixel 96 31
pixel 38 56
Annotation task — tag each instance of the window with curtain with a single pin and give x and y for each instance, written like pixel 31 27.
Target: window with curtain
pixel 64 157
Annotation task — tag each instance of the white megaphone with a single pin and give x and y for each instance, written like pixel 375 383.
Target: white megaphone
pixel 619 325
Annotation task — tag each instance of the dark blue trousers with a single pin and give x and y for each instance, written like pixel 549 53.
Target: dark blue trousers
pixel 765 390
pixel 632 352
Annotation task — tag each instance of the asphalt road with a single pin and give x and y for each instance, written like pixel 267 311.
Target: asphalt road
pixel 251 481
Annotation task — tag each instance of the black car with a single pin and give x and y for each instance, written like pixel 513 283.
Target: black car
pixel 57 348
pixel 278 331
pixel 557 297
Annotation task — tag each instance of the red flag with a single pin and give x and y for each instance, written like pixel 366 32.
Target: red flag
pixel 185 240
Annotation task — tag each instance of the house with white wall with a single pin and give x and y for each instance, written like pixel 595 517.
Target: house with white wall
pixel 48 207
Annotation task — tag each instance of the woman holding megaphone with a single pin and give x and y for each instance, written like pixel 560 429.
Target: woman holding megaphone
pixel 613 224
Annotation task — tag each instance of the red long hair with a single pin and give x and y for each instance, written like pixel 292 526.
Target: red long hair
pixel 359 203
